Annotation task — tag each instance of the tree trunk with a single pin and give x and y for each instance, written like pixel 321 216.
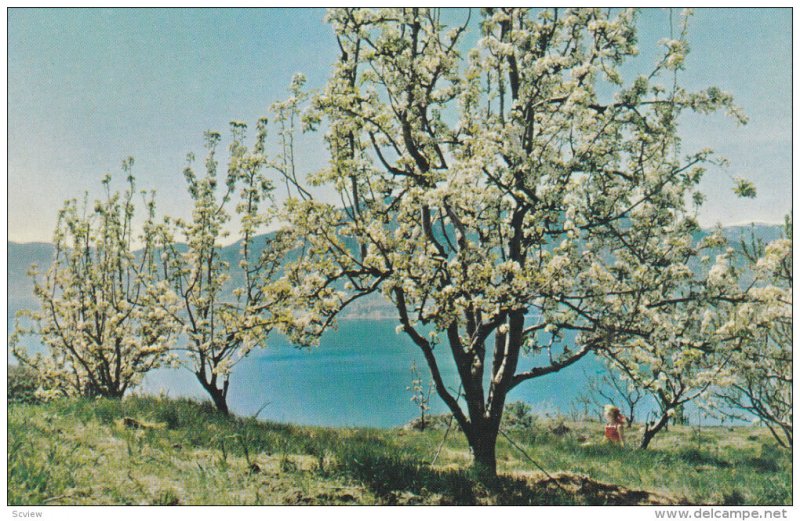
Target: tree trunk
pixel 649 433
pixel 220 401
pixel 787 432
pixel 106 391
pixel 483 441
pixel 218 396
pixel 630 418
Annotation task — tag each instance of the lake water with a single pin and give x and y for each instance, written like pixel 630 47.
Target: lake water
pixel 357 377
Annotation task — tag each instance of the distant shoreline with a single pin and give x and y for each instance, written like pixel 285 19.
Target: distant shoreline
pixel 708 228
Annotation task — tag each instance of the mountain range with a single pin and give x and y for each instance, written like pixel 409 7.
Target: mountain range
pixel 22 255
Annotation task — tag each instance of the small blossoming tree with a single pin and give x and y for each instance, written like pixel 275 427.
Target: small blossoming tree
pixel 521 198
pixel 420 395
pixel 762 384
pixel 223 309
pixel 102 318
pixel 683 347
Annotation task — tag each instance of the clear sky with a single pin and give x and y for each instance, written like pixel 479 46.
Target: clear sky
pixel 89 87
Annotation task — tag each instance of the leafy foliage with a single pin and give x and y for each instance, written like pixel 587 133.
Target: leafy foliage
pixel 23 383
pixel 744 188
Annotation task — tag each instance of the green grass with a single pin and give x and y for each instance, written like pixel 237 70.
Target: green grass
pixel 164 452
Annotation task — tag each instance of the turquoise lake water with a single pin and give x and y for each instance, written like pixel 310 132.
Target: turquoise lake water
pixel 357 377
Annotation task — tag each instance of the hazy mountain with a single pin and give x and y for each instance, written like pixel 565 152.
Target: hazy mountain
pixel 20 286
pixel 22 256
pixel 762 231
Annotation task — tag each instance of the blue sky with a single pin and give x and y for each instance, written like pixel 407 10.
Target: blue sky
pixel 89 87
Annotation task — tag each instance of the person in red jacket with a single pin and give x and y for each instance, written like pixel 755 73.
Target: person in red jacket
pixel 616 423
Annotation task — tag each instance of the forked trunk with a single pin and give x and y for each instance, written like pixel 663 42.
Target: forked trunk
pixel 218 396
pixel 650 432
pixel 220 402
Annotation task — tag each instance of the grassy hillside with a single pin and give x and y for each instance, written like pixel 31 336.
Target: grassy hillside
pixel 158 451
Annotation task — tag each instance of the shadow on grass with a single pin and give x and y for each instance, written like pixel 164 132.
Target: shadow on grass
pixel 700 457
pixel 763 464
pixel 400 478
pixel 394 473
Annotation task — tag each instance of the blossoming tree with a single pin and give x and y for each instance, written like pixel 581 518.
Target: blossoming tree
pixel 101 316
pixel 762 384
pixel 684 347
pixel 223 309
pixel 521 198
